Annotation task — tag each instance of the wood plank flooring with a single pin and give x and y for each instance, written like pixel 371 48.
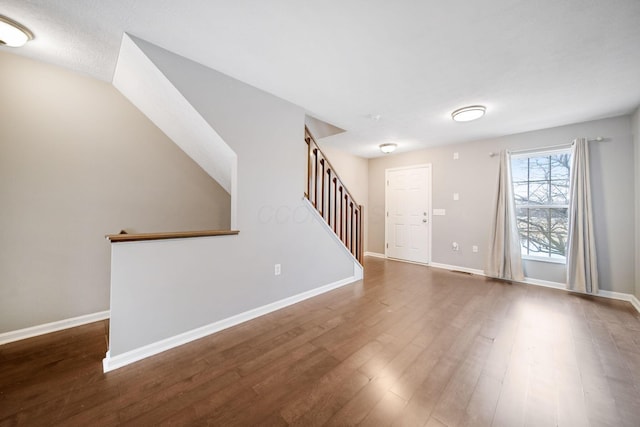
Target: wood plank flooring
pixel 408 346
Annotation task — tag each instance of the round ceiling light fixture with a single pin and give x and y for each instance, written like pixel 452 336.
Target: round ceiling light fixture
pixel 388 148
pixel 12 33
pixel 466 114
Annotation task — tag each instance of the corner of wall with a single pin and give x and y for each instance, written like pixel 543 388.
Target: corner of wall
pixel 635 128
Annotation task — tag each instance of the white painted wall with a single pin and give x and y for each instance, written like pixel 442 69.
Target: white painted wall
pixel 149 90
pixel 474 177
pixel 319 128
pixel 163 288
pixel 78 161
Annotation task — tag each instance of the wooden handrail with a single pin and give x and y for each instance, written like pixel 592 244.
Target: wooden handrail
pixel 326 160
pixel 125 237
pixel 340 210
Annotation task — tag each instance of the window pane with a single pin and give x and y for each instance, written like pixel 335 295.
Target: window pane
pixel 542 180
pixel 539 232
pixel 558 232
pixel 539 169
pixel 539 192
pixel 559 193
pixel 520 169
pixel 520 192
pixel 560 164
pixel 522 220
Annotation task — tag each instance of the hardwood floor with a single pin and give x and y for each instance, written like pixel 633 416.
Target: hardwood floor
pixel 408 346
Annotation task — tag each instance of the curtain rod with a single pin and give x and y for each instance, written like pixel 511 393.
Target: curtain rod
pixel 552 147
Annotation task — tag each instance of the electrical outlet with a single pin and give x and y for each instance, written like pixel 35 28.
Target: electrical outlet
pixel 455 156
pixel 277 270
pixel 455 246
pixel 474 248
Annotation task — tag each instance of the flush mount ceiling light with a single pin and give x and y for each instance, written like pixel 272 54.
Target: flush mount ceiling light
pixel 466 114
pixel 388 148
pixel 13 33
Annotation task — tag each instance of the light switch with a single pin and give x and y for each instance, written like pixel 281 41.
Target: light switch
pixel 456 196
pixel 437 212
pixel 455 156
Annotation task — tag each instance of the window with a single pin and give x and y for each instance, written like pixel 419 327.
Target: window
pixel 541 192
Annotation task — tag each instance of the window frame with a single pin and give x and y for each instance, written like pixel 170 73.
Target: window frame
pixel 541 153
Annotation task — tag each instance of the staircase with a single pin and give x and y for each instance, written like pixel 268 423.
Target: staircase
pixel 328 194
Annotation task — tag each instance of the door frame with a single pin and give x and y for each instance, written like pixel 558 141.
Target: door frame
pixel 429 203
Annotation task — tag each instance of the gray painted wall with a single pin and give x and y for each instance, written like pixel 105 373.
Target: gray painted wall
pixel 78 161
pixel 636 142
pixel 474 177
pixel 165 288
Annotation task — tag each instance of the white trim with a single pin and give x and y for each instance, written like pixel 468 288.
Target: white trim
pixel 142 82
pixel 375 255
pixel 429 190
pixel 47 328
pixel 422 165
pixel 109 363
pixel 548 284
pixel 543 283
pixel 542 151
pixel 541 259
pixel 614 295
pixel 358 271
pixel 601 293
pixel 407 261
pixel 457 268
pixel 527 280
pixel 234 195
pixel 398 259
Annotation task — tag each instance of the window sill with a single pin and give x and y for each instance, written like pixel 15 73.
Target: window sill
pixel 548 260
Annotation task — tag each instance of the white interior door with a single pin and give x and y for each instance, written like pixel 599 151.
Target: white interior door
pixel 408 224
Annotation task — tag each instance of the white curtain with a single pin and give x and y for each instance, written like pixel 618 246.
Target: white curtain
pixel 504 259
pixel 582 272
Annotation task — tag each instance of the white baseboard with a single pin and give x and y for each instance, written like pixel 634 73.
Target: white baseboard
pixel 374 254
pixel 456 268
pixel 530 281
pixel 527 280
pixel 46 328
pixel 548 284
pixel 601 293
pixel 383 256
pixel 358 271
pixel 109 363
pixel 619 296
pixel 544 283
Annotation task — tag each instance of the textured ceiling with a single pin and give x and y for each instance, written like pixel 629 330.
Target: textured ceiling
pixel 534 64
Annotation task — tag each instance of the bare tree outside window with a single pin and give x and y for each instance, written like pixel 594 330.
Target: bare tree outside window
pixel 541 192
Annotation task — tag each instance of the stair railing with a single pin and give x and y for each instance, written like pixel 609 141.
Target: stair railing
pixel 328 194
